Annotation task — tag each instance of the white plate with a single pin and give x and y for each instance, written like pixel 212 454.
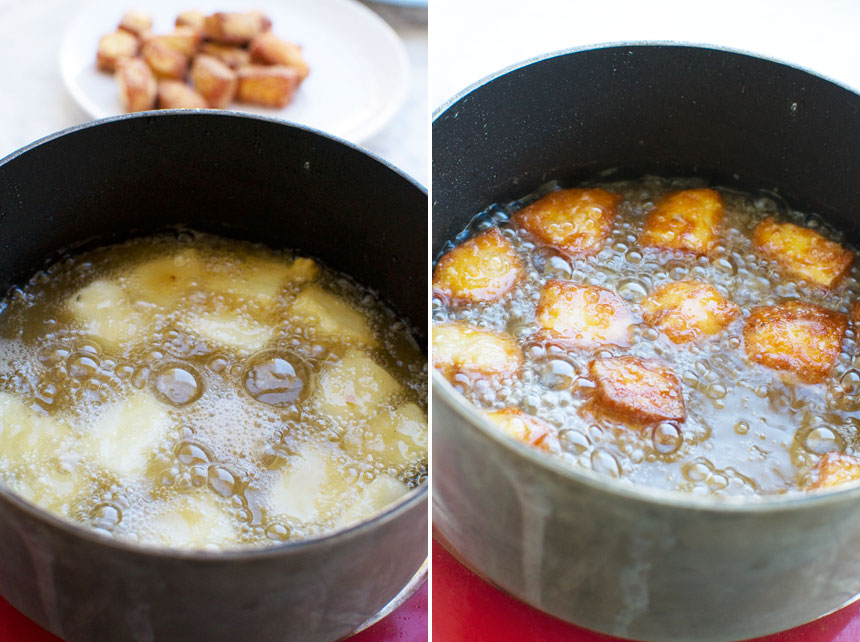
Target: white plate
pixel 359 68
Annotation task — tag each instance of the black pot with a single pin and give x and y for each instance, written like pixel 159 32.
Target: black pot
pixel 249 178
pixel 638 562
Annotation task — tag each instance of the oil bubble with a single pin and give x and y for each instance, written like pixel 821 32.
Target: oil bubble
pixel 667 438
pixel 277 378
pixel 177 384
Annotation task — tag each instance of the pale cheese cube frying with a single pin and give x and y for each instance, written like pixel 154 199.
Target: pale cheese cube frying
pixel 124 437
pixel 331 316
pixel 355 387
pixel 383 491
pixel 104 310
pixel 394 437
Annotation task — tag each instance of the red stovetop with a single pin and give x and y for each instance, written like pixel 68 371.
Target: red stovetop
pixel 467 609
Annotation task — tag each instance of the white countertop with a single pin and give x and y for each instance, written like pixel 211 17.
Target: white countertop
pixel 473 38
pixel 35 102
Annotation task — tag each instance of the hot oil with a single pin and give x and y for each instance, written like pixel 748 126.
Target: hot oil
pixel 235 418
pixel 747 431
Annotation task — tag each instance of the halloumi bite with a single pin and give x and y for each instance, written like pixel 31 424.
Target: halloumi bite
pixel 269 86
pixel 233 28
pixel 575 221
pixel 193 19
pixel 637 391
pixel 484 268
pixel 114 47
pixel 687 220
pixel 185 40
pixel 799 339
pixel 268 49
pixel 803 252
pixel 137 85
pixel 165 61
pixel 688 310
pixel 232 56
pixel 175 94
pixel 836 469
pixel 214 80
pixel 136 22
pixel 525 428
pixel 462 348
pixel 583 316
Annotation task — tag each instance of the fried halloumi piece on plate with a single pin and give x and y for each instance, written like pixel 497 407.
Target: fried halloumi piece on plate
pixel 583 316
pixel 235 28
pixel 193 19
pixel 175 94
pixel 484 268
pixel 463 348
pixel 165 61
pixel 835 469
pixel 803 252
pixel 687 220
pixel 232 56
pixel 114 47
pixel 575 221
pixel 215 81
pixel 269 86
pixel 136 22
pixel 801 339
pixel 525 428
pixel 137 85
pixel 268 49
pixel 185 40
pixel 688 310
pixel 637 391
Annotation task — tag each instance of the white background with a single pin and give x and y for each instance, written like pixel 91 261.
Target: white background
pixel 473 38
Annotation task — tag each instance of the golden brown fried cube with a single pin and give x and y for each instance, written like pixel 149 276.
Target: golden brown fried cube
pixel 583 316
pixel 164 61
pixel 137 85
pixel 233 57
pixel 797 338
pixel 175 94
pixel 268 86
pixel 183 39
pixel 484 268
pixel 525 428
pixel 687 220
pixel 688 310
pixel 113 47
pixel 803 252
pixel 835 469
pixel 576 221
pixel 268 49
pixel 192 19
pixel 637 391
pixel 462 348
pixel 136 22
pixel 214 80
pixel 235 28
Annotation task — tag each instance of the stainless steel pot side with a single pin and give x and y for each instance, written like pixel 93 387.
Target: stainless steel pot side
pixel 256 179
pixel 631 561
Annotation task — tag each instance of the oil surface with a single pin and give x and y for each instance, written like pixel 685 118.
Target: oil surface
pixel 747 431
pixel 174 391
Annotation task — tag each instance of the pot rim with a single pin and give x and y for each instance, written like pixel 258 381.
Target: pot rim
pixel 578 474
pixel 392 512
pixel 625 44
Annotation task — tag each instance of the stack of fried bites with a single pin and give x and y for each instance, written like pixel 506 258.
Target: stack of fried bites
pixel 207 61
